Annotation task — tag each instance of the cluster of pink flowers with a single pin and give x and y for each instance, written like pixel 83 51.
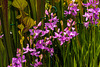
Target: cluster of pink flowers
pixel 92 14
pixel 33 52
pixel 38 63
pixel 66 34
pixel 72 9
pixel 17 62
pixel 45 44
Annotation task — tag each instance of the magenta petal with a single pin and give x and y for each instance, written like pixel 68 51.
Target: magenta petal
pixel 86 24
pixel 40 23
pixel 46 12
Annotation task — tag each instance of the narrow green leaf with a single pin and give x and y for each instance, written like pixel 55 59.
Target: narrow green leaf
pixel 6 28
pixel 99 64
pixel 75 64
pixel 1 51
pixel 33 5
pixel 40 11
pixel 3 55
pixel 1 46
pixel 81 9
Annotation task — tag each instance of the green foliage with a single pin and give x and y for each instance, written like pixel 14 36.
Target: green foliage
pixel 83 50
pixel 21 27
pixel 6 29
pixel 19 16
pixel 29 22
pixel 20 4
pixel 3 55
pixel 2 48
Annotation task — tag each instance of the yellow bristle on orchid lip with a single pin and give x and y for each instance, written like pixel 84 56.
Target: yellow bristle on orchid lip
pixel 54 14
pixel 45 39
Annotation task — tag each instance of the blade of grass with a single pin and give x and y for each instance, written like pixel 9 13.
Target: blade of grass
pixel 40 11
pixel 3 55
pixel 6 28
pixel 75 64
pixel 16 28
pixel 11 19
pixel 32 4
pixel 57 4
pixel 81 10
pixel 62 10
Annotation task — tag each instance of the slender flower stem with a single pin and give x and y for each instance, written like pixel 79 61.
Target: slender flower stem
pixel 62 10
pixel 49 61
pixel 21 52
pixel 49 47
pixel 94 44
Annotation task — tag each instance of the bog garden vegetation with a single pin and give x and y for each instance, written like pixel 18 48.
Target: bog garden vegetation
pixel 49 33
